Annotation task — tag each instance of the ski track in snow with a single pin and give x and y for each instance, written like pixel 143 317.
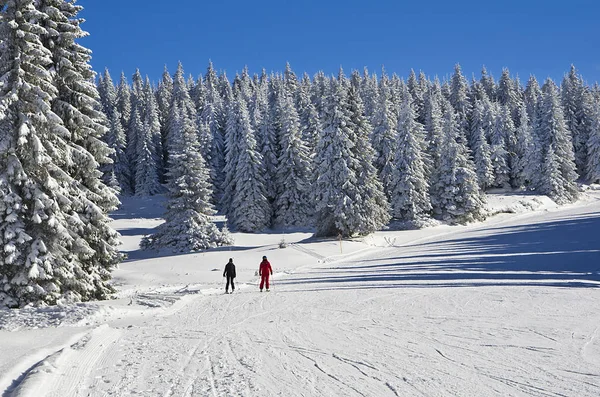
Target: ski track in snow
pixel 377 323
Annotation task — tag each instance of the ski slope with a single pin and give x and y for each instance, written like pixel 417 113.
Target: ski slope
pixel 508 307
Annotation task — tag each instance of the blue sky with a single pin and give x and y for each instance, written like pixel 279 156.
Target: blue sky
pixel 540 37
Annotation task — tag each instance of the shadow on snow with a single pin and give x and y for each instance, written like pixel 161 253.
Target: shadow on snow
pixel 562 253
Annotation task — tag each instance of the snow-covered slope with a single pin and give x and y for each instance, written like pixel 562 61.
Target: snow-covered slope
pixel 508 307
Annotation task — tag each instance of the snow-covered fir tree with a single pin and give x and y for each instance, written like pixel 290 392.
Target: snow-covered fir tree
pixel 532 97
pixel 117 172
pixel 459 99
pixel 310 125
pixel 292 206
pixel 481 126
pixel 455 193
pixel 35 265
pixel 433 126
pixel 552 135
pixel 523 147
pixel 78 105
pixel 571 95
pixel 488 83
pixel 503 126
pixel 507 94
pixel 385 120
pixel 592 169
pixel 369 93
pixel 375 210
pixel 269 133
pixel 409 187
pixel 342 207
pixel 56 242
pixel 415 88
pixel 213 119
pixel 188 225
pixel 246 203
pixel 149 148
pixel 164 95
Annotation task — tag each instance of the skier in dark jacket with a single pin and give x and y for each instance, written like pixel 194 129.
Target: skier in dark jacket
pixel 229 272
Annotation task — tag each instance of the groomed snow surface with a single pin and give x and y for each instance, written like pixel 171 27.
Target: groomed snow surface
pixel 508 307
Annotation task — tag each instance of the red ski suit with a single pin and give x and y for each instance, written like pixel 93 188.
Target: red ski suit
pixel 264 271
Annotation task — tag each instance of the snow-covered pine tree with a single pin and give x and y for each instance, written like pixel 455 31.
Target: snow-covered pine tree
pixel 269 133
pixel 532 97
pixel 213 118
pixel 503 127
pixel 164 95
pixel 319 90
pixel 593 147
pixel 247 206
pixel 369 93
pixel 433 126
pixel 522 149
pixel 415 89
pixel 292 206
pixel 571 92
pixel 35 263
pixel 409 187
pixel 481 151
pixel 383 138
pixel 78 106
pixel 149 148
pixel 551 132
pixel 188 225
pixel 116 172
pixel 310 125
pixel 56 243
pixel 507 94
pixel 488 84
pixel 374 212
pixel 459 99
pixel 342 207
pixel 455 194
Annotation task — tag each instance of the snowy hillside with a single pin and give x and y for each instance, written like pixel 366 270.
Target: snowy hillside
pixel 507 307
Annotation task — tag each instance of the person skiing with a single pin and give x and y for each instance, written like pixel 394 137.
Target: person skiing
pixel 264 271
pixel 229 272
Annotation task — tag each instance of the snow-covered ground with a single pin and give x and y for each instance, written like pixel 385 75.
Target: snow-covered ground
pixel 507 307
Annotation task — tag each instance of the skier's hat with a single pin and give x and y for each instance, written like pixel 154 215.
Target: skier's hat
pixel 265 257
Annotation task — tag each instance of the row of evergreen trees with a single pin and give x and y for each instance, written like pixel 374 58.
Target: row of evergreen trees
pixel 56 244
pixel 348 154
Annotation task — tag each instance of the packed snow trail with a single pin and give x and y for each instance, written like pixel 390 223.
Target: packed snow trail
pixel 509 309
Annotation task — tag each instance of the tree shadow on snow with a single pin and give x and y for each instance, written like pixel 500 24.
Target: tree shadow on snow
pixel 562 253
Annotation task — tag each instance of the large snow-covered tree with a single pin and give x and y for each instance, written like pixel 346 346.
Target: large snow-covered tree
pixel 149 148
pixel 481 125
pixel 455 192
pixel 572 99
pixel 56 243
pixel 552 170
pixel 246 203
pixel 342 206
pixel 292 206
pixel 593 161
pixel 409 188
pixel 188 225
pixel 383 137
pixel 77 103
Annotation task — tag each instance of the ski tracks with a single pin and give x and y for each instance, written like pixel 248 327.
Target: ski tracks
pixel 69 372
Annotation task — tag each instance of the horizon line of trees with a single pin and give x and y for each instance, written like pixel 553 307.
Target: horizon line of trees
pixel 346 155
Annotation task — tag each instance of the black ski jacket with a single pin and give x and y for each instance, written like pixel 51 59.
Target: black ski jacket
pixel 229 270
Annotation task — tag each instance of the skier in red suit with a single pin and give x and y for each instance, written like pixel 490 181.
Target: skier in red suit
pixel 264 271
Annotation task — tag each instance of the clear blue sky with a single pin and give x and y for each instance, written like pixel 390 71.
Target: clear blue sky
pixel 541 37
